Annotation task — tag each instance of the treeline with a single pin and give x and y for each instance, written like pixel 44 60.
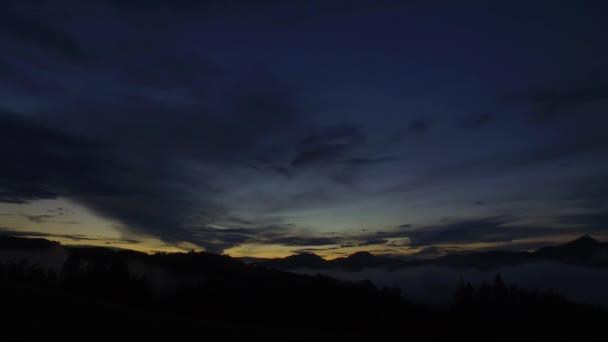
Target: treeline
pixel 221 289
pixel 507 312
pixel 504 300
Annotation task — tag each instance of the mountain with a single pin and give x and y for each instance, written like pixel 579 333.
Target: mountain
pixel 303 260
pixel 362 260
pixel 584 251
pixel 48 254
pixel 354 262
pixel 221 295
pixel 16 243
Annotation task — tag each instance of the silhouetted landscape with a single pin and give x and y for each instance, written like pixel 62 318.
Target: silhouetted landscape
pixel 229 298
pixel 584 251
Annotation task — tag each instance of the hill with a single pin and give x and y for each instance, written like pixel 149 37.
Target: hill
pixel 584 251
pixel 126 290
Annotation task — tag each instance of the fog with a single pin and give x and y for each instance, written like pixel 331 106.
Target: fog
pixel 435 285
pixel 51 258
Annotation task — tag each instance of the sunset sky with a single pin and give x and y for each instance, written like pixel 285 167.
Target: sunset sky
pixel 268 128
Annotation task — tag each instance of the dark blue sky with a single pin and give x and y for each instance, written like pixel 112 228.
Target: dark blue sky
pixel 272 127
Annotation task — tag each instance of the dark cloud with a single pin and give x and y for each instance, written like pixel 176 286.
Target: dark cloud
pixel 44 163
pixel 282 170
pixel 593 221
pixel 407 225
pixel 500 229
pixel 416 127
pixel 305 241
pixel 419 126
pixel 280 12
pixel 39 218
pixel 28 23
pixel 146 114
pixel 318 154
pixel 373 242
pixel 314 250
pixel 218 239
pixel 361 161
pixel 480 120
pixel 490 229
pixel 577 143
pixel 328 144
pixel 552 101
pixel 134 179
pixel 73 237
pixel 430 252
pixel 589 192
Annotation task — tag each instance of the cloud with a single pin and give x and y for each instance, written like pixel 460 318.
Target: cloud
pixel 305 241
pixel 328 144
pixel 593 220
pixel 73 237
pixel 362 161
pixel 547 102
pixel 491 229
pixel 39 218
pixel 407 225
pixel 574 144
pixel 503 229
pixel 314 250
pixel 373 242
pixel 141 179
pixel 43 163
pixel 294 13
pixel 29 23
pixel 416 127
pixel 218 239
pixel 480 120
pixel 430 252
pixel 419 126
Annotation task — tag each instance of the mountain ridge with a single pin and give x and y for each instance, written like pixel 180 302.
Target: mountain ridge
pixel 585 251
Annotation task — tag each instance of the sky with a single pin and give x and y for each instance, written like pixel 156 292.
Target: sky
pixel 268 128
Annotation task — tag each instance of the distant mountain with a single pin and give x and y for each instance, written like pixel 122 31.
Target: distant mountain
pixel 303 260
pixel 48 254
pixel 354 262
pixel 584 251
pixel 361 260
pixel 17 243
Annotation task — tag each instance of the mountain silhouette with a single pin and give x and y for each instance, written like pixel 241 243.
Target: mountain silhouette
pixel 362 260
pixel 584 251
pixel 17 243
pixel 125 289
pixel 302 260
pixel 354 262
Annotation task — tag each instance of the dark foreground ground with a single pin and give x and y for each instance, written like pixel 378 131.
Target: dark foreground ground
pixel 96 296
